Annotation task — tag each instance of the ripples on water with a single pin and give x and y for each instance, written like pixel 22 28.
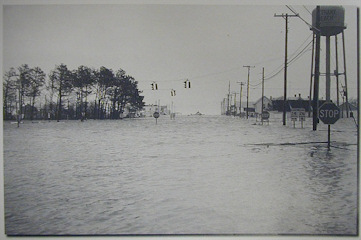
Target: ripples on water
pixel 192 175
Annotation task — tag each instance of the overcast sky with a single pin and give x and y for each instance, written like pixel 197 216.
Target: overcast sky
pixel 168 43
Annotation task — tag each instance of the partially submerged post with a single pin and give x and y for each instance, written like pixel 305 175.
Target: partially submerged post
pixel 156 116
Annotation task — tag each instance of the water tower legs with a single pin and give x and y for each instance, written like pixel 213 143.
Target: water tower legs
pixel 328 74
pixel 344 66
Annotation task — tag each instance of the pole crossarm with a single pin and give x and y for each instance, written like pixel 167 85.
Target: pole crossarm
pixel 285 15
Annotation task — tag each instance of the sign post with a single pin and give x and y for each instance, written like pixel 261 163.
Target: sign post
pixel 294 116
pixel 329 113
pixel 265 116
pixel 302 116
pixel 156 116
pixel 298 114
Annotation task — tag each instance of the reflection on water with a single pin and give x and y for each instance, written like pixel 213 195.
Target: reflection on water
pixel 192 175
pixel 327 170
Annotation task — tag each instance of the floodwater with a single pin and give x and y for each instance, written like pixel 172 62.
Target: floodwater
pixel 191 175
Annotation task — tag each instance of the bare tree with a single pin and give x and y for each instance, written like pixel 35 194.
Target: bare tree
pixel 83 80
pixel 36 81
pixel 9 92
pixel 22 83
pixel 61 79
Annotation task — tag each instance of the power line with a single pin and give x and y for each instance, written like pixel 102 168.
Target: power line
pixel 298 15
pixel 302 52
pixel 307 9
pixel 199 76
pixel 302 44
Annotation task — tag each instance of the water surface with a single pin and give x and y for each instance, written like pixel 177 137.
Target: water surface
pixel 191 175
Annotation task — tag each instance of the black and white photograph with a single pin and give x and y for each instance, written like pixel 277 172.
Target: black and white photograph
pixel 180 118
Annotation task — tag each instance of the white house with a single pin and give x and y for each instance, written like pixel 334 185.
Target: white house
pixel 267 104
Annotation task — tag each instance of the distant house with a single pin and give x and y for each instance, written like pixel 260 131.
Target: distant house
pixel 251 111
pixel 343 108
pixel 148 110
pixel 267 105
pixel 293 102
pixel 350 107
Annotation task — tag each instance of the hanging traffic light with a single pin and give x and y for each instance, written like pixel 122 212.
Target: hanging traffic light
pixel 172 93
pixel 187 84
pixel 154 86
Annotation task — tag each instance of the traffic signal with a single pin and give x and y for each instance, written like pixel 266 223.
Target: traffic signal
pixel 154 86
pixel 187 84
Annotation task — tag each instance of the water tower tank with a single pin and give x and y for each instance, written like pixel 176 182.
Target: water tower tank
pixel 332 20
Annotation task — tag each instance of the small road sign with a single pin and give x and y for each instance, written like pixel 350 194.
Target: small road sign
pixel 294 115
pixel 265 115
pixel 156 114
pixel 302 115
pixel 328 113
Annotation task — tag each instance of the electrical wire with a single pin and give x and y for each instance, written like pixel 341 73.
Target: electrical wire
pixel 298 15
pixel 307 9
pixel 302 44
pixel 273 73
pixel 301 53
pixel 281 67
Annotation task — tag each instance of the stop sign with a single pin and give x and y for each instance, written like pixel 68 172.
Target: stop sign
pixel 156 114
pixel 328 113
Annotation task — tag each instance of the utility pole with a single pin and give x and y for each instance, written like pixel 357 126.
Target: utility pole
pixel 317 71
pixel 312 58
pixel 235 104
pixel 262 94
pixel 240 99
pixel 358 70
pixel 229 93
pixel 285 16
pixel 248 88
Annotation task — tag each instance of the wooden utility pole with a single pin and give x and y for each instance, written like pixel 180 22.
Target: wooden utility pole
pixel 358 73
pixel 317 70
pixel 309 97
pixel 248 88
pixel 240 99
pixel 235 104
pixel 285 16
pixel 228 102
pixel 262 94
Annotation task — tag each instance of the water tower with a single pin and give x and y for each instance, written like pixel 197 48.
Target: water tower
pixel 328 21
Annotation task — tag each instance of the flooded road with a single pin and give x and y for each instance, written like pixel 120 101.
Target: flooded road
pixel 191 175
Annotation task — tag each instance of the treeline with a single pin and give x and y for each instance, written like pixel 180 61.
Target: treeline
pixel 28 93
